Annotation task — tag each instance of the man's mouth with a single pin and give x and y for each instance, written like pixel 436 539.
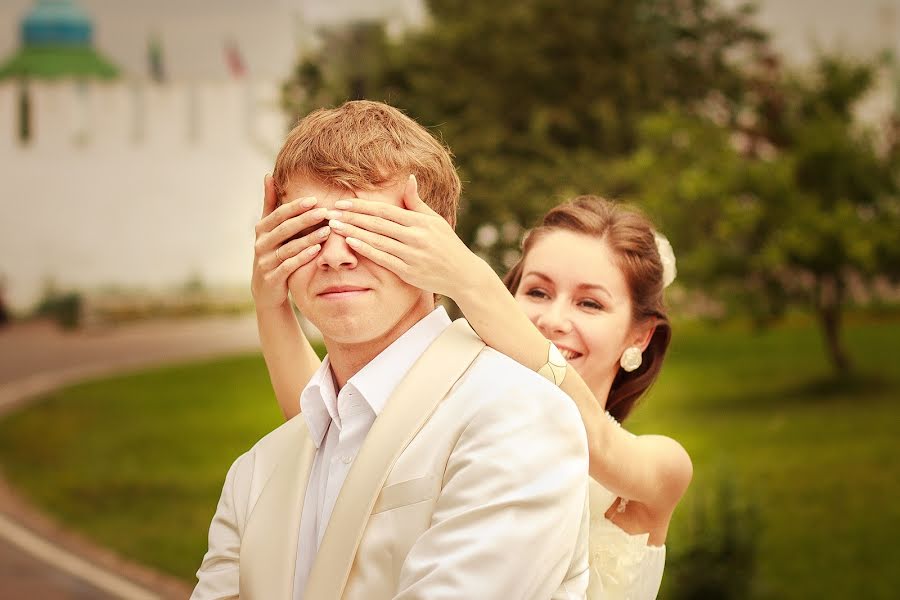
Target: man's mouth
pixel 339 292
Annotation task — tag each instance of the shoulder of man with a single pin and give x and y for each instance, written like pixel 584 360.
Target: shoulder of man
pixel 259 461
pixel 496 381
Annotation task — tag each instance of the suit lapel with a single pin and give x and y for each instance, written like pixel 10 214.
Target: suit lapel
pixel 269 545
pixel 407 410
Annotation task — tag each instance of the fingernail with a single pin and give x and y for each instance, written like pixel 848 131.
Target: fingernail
pixel 343 204
pixel 353 242
pixel 314 249
pixel 335 214
pixel 335 224
pixel 324 232
pixel 308 202
pixel 320 213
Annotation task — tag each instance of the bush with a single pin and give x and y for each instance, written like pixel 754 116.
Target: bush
pixel 719 560
pixel 63 307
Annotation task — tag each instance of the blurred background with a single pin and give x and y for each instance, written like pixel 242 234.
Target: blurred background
pixel 763 139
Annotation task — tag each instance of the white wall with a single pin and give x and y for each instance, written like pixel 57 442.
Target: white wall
pixel 113 209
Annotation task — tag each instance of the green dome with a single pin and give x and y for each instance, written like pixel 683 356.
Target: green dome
pixel 56 40
pixel 56 22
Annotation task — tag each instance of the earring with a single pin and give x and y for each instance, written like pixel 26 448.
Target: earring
pixel 631 358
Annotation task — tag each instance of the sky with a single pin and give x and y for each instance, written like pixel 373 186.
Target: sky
pixel 193 32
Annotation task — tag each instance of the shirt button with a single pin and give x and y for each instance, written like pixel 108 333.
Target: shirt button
pixel 346 460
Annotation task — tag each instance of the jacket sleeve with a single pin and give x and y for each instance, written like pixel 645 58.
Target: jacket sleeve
pixel 509 517
pixel 218 576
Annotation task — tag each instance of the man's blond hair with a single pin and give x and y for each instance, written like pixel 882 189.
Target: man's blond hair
pixel 365 145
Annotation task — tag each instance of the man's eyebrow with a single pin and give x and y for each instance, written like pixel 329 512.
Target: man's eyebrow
pixel 585 286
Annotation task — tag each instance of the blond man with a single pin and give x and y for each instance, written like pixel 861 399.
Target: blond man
pixel 423 465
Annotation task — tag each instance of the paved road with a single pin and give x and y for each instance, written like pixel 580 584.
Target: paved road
pixel 37 357
pixel 24 577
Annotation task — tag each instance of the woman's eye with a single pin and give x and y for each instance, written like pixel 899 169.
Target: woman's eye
pixel 592 304
pixel 536 293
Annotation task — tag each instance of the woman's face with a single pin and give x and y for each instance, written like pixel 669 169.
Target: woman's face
pixel 576 295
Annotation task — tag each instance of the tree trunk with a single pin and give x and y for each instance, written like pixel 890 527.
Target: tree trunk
pixel 829 305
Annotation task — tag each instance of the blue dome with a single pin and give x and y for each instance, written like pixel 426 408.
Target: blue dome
pixel 56 23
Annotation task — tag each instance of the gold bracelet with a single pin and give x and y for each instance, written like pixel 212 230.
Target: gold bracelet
pixel 555 367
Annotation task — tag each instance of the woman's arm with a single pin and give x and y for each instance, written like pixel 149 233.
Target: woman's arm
pixel 421 248
pixel 289 357
pixel 653 470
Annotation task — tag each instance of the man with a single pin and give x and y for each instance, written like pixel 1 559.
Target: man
pixel 424 465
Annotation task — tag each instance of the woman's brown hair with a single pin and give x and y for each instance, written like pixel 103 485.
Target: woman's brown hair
pixel 631 238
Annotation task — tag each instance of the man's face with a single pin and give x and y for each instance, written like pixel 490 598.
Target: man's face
pixel 349 298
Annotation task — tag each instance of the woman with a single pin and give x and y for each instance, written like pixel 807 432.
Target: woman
pixel 590 280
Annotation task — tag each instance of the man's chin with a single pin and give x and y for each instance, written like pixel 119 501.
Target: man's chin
pixel 349 336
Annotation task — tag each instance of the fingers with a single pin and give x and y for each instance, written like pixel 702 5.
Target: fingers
pixel 375 240
pixel 284 212
pixel 295 261
pixel 397 214
pixel 378 225
pixel 269 197
pixel 380 257
pixel 280 234
pixel 295 253
pixel 411 199
pixel 297 246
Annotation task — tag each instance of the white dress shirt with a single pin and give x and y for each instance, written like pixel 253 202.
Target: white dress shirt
pixel 339 422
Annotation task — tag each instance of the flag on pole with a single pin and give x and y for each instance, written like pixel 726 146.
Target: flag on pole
pixel 155 60
pixel 234 60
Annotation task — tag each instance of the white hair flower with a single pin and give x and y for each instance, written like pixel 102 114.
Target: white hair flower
pixel 667 256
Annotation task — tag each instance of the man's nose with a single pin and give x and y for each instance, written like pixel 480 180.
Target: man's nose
pixel 336 254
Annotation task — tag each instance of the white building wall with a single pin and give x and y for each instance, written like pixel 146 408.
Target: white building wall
pixel 88 203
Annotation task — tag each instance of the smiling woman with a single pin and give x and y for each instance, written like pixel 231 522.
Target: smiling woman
pixel 591 278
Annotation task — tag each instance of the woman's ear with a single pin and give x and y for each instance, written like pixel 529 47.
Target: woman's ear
pixel 643 333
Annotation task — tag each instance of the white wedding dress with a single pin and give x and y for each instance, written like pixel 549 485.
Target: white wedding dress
pixel 623 566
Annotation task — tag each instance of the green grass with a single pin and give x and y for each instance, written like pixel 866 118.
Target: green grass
pixel 138 462
pixel 816 457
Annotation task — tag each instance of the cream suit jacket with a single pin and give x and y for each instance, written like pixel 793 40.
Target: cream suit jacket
pixel 471 484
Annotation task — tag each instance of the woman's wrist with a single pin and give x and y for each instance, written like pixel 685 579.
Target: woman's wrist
pixel 477 277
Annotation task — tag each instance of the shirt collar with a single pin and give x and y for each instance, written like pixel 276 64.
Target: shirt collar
pixel 318 403
pixel 375 382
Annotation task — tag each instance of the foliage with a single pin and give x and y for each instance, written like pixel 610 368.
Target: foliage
pixel 66 308
pixel 517 87
pixel 770 191
pixel 718 561
pixel 796 209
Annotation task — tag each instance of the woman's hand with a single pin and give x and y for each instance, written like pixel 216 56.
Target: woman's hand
pixel 276 254
pixel 412 241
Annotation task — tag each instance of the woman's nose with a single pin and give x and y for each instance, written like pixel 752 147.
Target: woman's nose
pixel 554 319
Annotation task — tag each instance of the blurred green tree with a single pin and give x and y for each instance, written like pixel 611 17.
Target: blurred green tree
pixel 797 205
pixel 518 87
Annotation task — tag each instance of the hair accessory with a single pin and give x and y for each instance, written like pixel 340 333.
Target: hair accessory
pixel 631 358
pixel 555 367
pixel 667 256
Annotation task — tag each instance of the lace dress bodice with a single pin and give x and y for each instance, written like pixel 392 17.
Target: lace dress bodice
pixel 623 566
